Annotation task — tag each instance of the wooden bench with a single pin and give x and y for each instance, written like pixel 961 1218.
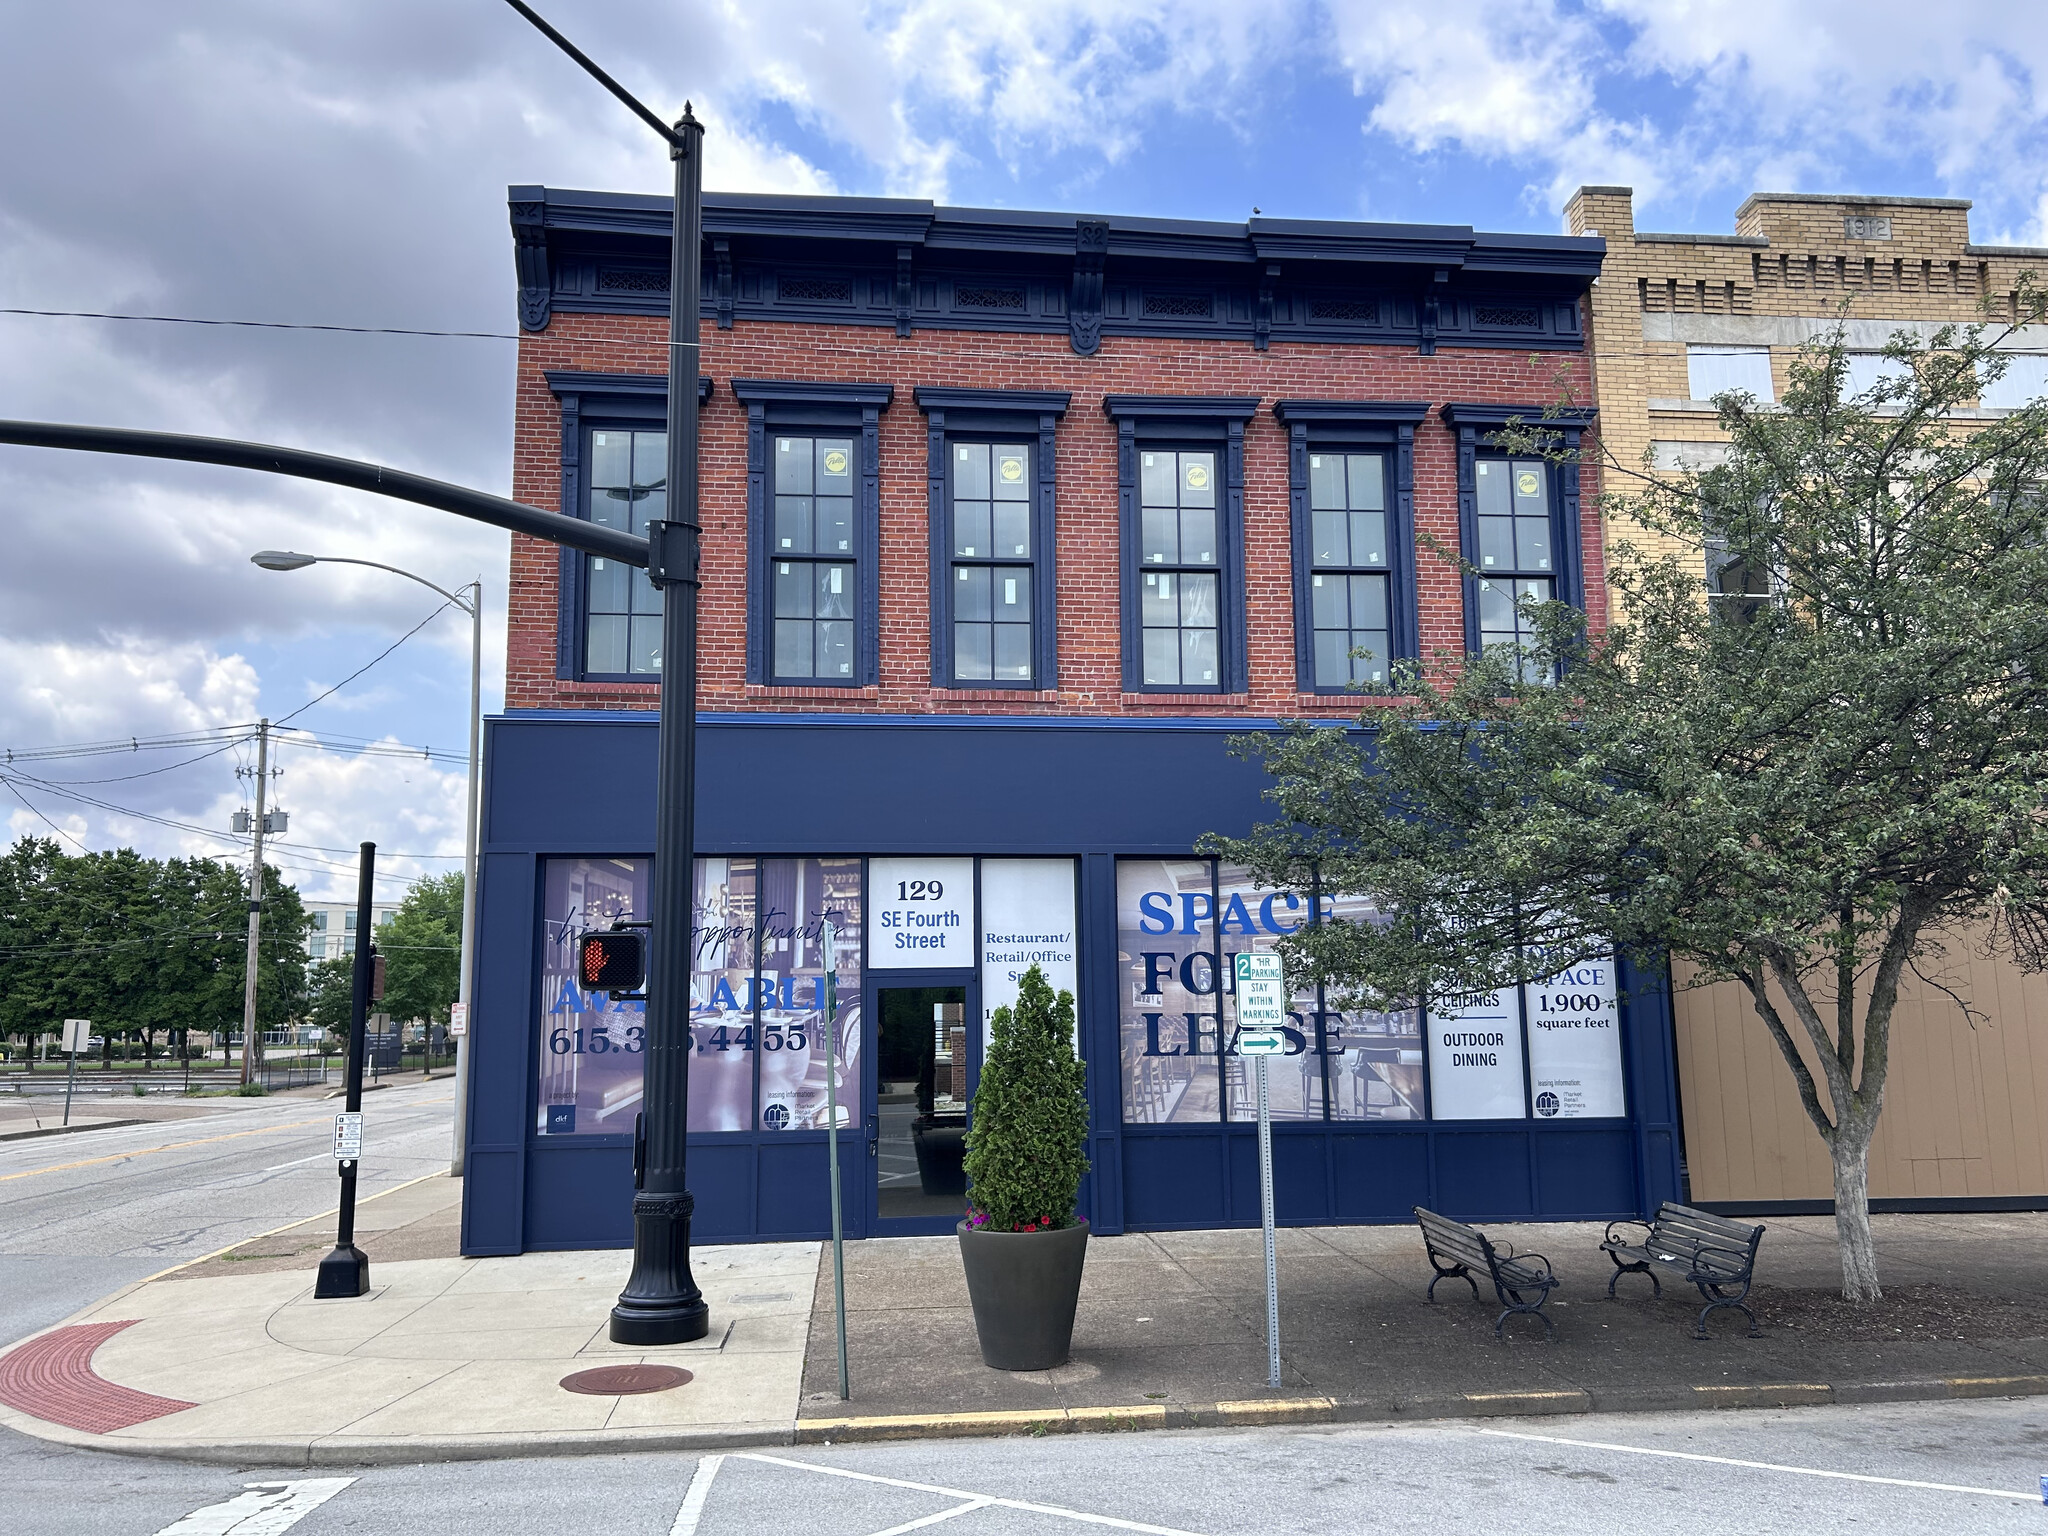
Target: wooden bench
pixel 1456 1251
pixel 1711 1252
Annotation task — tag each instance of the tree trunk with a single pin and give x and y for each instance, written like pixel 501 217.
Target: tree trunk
pixel 1852 1218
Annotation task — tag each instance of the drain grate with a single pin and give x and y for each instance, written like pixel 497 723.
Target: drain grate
pixel 625 1380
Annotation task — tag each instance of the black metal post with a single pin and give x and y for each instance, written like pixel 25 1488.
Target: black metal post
pixel 346 1271
pixel 661 1303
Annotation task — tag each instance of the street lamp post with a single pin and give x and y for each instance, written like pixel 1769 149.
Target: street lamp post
pixel 473 605
pixel 661 1303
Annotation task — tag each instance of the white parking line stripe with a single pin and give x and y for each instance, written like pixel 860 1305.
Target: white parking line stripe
pixel 261 1509
pixel 1765 1466
pixel 693 1501
pixel 962 1493
pixel 297 1161
pixel 945 1514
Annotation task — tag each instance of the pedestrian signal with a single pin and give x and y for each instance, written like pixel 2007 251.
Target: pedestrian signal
pixel 611 962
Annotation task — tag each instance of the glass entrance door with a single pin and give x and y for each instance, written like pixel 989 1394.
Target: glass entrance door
pixel 917 1134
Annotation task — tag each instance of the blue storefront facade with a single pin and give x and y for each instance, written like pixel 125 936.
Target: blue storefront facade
pixel 1101 802
pixel 1012 523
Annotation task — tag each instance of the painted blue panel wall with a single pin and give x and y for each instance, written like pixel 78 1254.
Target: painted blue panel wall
pixel 583 785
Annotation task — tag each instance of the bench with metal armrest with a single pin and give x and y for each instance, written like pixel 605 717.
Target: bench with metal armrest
pixel 1457 1252
pixel 1705 1250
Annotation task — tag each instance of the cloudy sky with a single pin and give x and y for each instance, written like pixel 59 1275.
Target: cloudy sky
pixel 347 163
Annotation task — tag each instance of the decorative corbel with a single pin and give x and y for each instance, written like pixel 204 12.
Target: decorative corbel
pixel 1262 312
pixel 1084 314
pixel 530 256
pixel 903 255
pixel 1431 313
pixel 721 252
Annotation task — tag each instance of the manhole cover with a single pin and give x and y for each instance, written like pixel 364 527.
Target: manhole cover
pixel 624 1380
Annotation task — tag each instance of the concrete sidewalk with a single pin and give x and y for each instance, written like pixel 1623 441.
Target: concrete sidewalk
pixel 230 1359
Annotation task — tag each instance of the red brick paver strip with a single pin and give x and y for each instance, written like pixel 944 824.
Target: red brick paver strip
pixel 52 1378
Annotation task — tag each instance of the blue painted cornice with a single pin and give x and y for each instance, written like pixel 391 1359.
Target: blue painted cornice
pixel 909 264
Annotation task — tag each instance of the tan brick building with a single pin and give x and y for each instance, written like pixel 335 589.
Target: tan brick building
pixel 1677 318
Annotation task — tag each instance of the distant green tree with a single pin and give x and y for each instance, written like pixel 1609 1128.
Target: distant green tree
pixel 422 949
pixel 329 991
pixel 139 946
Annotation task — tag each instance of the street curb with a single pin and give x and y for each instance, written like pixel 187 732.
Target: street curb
pixel 344 1451
pixel 69 1130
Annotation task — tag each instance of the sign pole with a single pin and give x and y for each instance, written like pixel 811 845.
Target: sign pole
pixel 832 1144
pixel 1261 1017
pixel 1266 1216
pixel 76 1032
pixel 346 1271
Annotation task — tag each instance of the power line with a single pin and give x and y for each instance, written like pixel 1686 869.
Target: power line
pixel 265 325
pixel 359 671
pixel 293 325
pixel 13 755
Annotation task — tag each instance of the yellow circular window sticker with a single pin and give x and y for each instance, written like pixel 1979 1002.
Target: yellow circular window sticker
pixel 835 462
pixel 1527 484
pixel 1013 469
pixel 1198 476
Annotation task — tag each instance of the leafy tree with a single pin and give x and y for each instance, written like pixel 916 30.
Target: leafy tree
pixel 139 946
pixel 1025 1148
pixel 1811 792
pixel 329 994
pixel 422 949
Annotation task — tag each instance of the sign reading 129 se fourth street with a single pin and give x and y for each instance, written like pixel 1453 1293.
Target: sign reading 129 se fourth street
pixel 921 914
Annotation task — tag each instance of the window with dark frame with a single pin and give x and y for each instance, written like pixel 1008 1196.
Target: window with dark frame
pixel 1180 580
pixel 813 560
pixel 1350 570
pixel 991 495
pixel 1516 556
pixel 628 490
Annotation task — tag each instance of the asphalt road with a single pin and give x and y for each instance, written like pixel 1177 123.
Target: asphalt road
pixel 1829 1470
pixel 83 1214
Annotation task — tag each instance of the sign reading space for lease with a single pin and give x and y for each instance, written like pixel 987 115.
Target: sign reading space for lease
pixel 921 914
pixel 1027 919
pixel 1575 1043
pixel 1475 1060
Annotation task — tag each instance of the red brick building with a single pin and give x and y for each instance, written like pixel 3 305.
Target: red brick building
pixel 1010 520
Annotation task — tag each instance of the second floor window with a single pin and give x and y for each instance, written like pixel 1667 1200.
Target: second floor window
pixel 1179 577
pixel 811 559
pixel 990 539
pixel 628 490
pixel 1349 568
pixel 1517 560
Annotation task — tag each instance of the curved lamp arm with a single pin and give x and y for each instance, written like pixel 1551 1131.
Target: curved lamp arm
pixel 291 560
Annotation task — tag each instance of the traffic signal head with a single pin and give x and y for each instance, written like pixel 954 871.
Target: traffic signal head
pixel 611 962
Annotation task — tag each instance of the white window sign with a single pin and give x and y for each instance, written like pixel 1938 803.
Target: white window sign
pixel 923 914
pixel 1027 919
pixel 1475 1060
pixel 1575 1043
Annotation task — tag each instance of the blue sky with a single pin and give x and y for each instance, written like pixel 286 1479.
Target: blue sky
pixel 348 164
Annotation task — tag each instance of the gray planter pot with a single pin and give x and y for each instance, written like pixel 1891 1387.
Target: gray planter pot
pixel 1024 1286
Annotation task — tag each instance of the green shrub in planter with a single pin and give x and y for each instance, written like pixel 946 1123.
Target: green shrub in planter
pixel 1025 1154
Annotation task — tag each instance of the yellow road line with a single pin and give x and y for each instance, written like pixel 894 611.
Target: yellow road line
pixel 122 1157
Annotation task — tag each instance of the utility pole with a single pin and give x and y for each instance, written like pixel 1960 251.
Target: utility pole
pixel 255 906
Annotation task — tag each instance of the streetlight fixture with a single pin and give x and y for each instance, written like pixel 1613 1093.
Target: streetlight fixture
pixel 473 605
pixel 661 1303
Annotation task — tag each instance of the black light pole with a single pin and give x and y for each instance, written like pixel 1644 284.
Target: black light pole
pixel 661 1303
pixel 346 1271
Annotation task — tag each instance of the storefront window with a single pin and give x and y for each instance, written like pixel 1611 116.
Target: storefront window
pixel 1254 918
pixel 1374 1059
pixel 756 996
pixel 1167 988
pixel 593 1050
